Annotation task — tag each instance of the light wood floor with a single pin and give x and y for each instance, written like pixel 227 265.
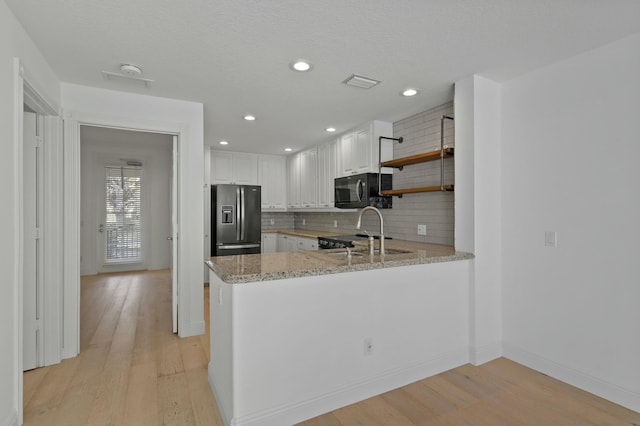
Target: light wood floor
pixel 133 371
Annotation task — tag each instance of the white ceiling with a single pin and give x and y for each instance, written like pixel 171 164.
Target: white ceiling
pixel 234 55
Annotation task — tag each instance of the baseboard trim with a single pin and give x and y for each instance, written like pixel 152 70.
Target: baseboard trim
pixel 352 392
pixel 610 391
pixel 194 329
pixel 11 419
pixel 483 354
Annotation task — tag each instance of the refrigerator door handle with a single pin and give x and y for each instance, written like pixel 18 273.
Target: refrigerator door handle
pixel 237 246
pixel 238 215
pixel 242 218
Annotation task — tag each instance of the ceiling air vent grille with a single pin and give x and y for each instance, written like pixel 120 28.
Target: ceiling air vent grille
pixel 360 81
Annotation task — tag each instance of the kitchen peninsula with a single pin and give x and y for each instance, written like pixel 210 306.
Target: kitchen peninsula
pixel 296 334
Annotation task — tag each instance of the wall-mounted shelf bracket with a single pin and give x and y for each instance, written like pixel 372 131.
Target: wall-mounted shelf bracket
pixel 380 139
pixel 399 163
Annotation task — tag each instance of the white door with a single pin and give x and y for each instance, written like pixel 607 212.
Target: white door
pixel 120 217
pixel 173 238
pixel 33 200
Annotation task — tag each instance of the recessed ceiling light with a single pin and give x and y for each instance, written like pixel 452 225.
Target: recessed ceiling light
pixel 409 92
pixel 288 149
pixel 331 129
pixel 300 65
pixel 249 117
pixel 224 143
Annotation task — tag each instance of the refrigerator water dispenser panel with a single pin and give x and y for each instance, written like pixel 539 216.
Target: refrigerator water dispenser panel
pixel 226 214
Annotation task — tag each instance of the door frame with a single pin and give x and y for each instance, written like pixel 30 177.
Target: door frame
pixel 72 160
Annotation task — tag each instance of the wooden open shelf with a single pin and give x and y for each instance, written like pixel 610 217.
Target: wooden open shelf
pixel 418 158
pixel 399 192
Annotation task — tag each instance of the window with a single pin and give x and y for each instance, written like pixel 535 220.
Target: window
pixel 123 225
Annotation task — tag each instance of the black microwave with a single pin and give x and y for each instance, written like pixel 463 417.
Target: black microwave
pixel 357 191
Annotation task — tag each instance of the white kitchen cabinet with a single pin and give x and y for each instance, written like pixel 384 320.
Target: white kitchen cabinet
pixel 293 181
pixel 307 243
pixel 327 172
pixel 302 191
pixel 269 243
pixel 309 178
pixel 358 149
pixel 234 167
pixel 287 243
pixel 272 177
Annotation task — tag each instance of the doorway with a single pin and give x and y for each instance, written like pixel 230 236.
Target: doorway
pixel 129 202
pixel 125 192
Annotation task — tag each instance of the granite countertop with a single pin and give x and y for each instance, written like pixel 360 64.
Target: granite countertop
pixel 307 233
pixel 274 266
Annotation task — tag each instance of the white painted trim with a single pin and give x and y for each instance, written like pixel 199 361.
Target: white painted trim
pixel 18 232
pixel 71 225
pixel 610 391
pixel 35 101
pixel 485 353
pixel 73 121
pixel 25 92
pixel 350 393
pixel 53 241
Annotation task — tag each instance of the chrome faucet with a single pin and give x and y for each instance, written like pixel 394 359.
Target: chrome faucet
pixel 381 225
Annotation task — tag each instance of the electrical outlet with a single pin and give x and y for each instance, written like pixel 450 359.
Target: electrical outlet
pixel 304 221
pixel 335 223
pixel 273 221
pixel 422 229
pixel 368 346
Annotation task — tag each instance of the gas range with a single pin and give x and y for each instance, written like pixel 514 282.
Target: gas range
pixel 341 241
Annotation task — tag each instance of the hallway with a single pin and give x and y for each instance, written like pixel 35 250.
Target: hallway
pixel 131 369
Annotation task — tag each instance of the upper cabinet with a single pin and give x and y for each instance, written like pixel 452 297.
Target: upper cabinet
pixel 234 167
pixel 309 178
pixel 293 181
pixel 302 181
pixel 311 173
pixel 358 149
pixel 327 172
pixel 272 177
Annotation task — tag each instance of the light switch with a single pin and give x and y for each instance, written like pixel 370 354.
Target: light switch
pixel 550 238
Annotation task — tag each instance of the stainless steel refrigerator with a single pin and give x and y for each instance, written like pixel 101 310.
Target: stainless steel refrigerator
pixel 235 219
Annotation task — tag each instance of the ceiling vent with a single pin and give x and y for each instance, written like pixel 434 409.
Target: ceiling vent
pixel 360 81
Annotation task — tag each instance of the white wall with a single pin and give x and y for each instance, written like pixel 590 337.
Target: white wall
pixel 570 152
pixel 95 106
pixel 286 350
pixel 110 146
pixel 14 42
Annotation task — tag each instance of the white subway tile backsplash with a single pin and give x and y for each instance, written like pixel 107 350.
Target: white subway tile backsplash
pixel 421 133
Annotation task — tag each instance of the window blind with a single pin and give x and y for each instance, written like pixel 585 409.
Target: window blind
pixel 123 224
